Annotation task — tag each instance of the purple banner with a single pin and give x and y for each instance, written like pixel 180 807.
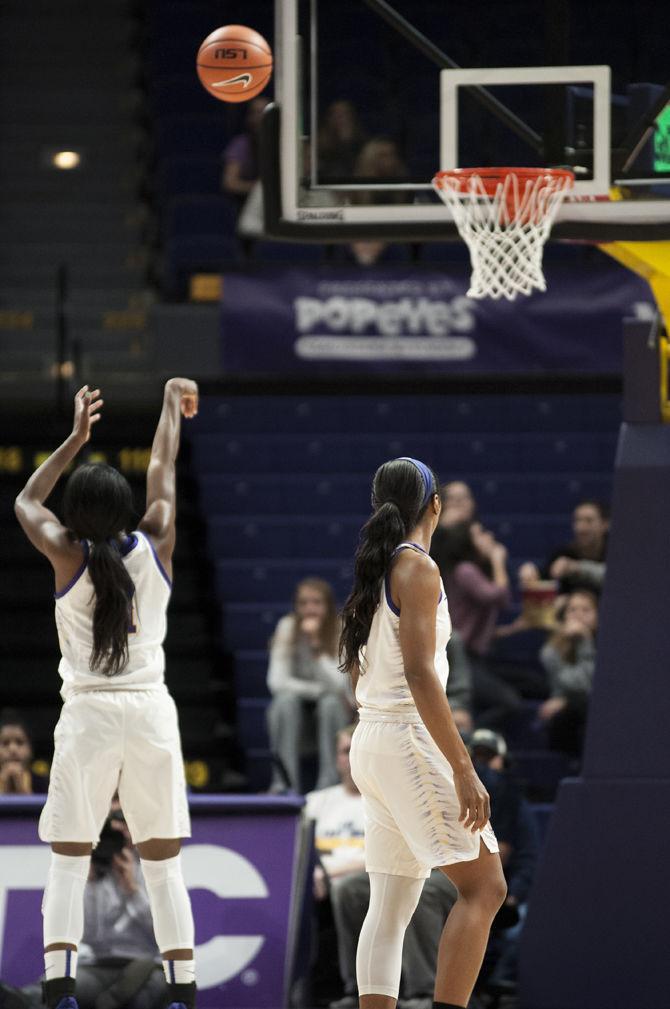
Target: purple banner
pixel 240 867
pixel 322 320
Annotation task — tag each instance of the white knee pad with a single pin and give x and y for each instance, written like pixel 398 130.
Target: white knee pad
pixel 170 904
pixel 63 901
pixel 393 900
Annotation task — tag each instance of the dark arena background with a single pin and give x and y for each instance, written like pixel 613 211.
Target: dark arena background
pixel 290 254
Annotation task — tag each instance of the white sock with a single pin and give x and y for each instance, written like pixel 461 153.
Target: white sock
pixel 179 971
pixel 170 904
pixel 63 902
pixel 60 963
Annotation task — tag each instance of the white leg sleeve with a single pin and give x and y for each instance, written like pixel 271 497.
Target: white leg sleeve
pixel 393 900
pixel 170 904
pixel 63 902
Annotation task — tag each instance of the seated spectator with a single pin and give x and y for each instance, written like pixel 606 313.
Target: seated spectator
pixel 569 658
pixel 518 840
pixel 459 684
pixel 119 964
pixel 473 568
pixel 340 140
pixel 378 161
pixel 340 875
pixel 339 841
pixel 579 564
pixel 16 755
pixel 240 158
pixel 306 683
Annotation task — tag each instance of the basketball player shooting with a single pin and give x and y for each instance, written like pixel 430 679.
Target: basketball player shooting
pixel 424 805
pixel 118 726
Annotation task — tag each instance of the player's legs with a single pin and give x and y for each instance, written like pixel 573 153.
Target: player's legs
pixel 152 791
pixel 393 900
pixel 84 775
pixel 63 919
pixel 481 891
pixel 172 915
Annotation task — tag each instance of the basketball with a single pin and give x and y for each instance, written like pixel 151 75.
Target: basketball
pixel 234 63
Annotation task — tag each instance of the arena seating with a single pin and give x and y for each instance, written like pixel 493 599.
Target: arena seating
pixel 284 489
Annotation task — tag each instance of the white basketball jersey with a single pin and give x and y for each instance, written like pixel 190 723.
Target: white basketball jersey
pixel 147 624
pixel 382 684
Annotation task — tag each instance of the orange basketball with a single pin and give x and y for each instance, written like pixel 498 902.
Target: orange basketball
pixel 234 63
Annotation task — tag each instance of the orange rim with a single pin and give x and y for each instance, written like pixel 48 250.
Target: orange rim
pixel 492 177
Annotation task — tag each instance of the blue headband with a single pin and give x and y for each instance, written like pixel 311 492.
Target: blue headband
pixel 426 475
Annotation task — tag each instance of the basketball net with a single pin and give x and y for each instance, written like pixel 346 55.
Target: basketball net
pixel 504 215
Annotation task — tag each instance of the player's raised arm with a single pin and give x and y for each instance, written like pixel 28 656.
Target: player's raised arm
pixel 180 398
pixel 41 526
pixel 417 582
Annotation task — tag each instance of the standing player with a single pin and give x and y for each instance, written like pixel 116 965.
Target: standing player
pixel 118 726
pixel 424 804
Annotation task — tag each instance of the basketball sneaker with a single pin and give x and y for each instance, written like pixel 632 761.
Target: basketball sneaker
pixel 69 1002
pixel 182 996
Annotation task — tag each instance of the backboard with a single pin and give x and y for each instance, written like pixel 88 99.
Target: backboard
pixel 395 66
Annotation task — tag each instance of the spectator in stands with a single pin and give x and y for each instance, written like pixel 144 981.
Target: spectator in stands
pixel 458 504
pixel 340 140
pixel 473 566
pixel 569 659
pixel 339 841
pixel 340 874
pixel 241 157
pixel 378 161
pixel 119 964
pixel 579 564
pixel 16 755
pixel 459 684
pixel 516 830
pixel 305 682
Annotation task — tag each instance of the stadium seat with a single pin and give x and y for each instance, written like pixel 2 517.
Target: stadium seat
pixel 200 215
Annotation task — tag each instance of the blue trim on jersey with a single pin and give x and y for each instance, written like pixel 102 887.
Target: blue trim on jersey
pixel 158 563
pixel 173 979
pixel 68 963
pixel 128 545
pixel 389 599
pixel 77 575
pixel 409 545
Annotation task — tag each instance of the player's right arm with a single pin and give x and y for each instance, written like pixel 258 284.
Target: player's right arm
pixel 180 398
pixel 415 584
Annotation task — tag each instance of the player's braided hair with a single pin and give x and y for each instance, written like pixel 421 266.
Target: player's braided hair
pixel 399 501
pixel 97 506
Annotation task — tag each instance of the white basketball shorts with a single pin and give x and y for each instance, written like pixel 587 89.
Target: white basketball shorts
pixel 410 802
pixel 109 739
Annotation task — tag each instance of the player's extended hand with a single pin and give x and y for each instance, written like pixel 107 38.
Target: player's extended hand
pixel 187 390
pixel 87 404
pixel 474 799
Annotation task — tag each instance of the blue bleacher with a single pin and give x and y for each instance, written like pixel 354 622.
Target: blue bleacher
pixel 263 536
pixel 189 254
pixel 201 135
pixel 182 175
pixel 447 453
pixel 199 215
pixel 268 580
pixel 284 484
